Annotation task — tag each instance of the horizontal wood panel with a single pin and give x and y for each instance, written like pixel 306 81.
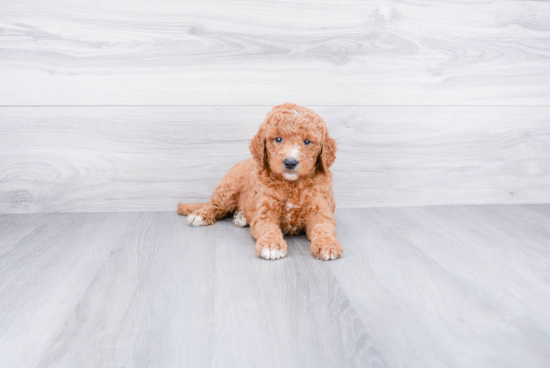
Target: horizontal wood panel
pixel 80 159
pixel 348 52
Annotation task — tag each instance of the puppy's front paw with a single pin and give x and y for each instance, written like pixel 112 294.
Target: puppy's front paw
pixel 271 248
pixel 326 248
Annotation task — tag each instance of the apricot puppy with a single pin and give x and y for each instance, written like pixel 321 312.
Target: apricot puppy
pixel 285 188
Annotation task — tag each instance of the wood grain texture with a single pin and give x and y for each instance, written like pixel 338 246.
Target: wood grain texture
pixel 90 159
pixel 283 314
pixel 150 304
pixel 468 284
pixel 44 274
pixel 171 295
pixel 15 228
pixel 449 286
pixel 256 53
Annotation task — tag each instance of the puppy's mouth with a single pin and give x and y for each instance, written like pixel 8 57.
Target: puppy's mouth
pixel 291 176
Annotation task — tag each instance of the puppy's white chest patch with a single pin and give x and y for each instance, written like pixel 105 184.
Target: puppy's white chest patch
pixel 290 223
pixel 288 208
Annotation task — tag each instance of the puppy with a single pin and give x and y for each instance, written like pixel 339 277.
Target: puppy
pixel 285 188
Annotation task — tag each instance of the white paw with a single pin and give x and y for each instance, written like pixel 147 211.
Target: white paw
pixel 328 256
pixel 239 219
pixel 268 253
pixel 195 221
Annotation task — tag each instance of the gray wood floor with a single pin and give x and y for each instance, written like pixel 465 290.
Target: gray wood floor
pixel 462 286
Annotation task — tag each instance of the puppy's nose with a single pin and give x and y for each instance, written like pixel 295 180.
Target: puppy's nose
pixel 290 163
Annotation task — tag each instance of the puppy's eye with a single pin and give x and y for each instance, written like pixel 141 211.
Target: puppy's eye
pixel 307 142
pixel 278 139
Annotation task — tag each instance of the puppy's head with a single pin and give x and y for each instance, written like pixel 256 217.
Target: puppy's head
pixel 293 143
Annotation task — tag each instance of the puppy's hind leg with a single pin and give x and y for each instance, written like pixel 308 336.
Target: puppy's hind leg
pixel 224 200
pixel 185 209
pixel 204 216
pixel 239 220
pixel 190 210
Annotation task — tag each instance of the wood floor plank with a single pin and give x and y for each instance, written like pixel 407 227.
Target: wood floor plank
pixel 447 286
pixel 166 297
pixel 288 313
pixel 94 159
pixel 467 285
pixel 43 277
pixel 242 53
pixel 541 212
pixel 151 302
pixel 511 249
pixel 13 228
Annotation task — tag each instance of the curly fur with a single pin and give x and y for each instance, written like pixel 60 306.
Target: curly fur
pixel 273 200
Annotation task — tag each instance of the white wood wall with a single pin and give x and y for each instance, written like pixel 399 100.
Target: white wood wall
pixel 117 105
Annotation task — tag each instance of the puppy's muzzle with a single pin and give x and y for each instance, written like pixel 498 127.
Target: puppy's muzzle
pixel 290 163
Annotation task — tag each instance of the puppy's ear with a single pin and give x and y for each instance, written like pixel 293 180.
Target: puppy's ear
pixel 328 151
pixel 257 147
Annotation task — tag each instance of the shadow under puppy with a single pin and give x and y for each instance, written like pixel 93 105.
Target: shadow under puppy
pixel 285 188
